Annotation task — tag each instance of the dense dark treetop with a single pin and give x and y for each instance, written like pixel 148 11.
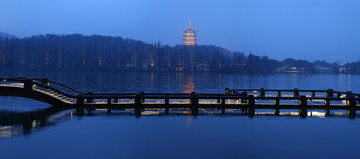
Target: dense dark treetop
pixel 106 53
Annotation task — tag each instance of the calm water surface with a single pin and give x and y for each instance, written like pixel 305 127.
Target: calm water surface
pixel 121 135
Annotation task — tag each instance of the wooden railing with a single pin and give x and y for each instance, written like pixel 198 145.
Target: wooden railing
pixel 244 99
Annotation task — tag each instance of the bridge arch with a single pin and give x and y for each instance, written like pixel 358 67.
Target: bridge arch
pixel 37 89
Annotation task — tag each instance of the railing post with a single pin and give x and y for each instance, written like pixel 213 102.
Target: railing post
pixel 167 104
pixel 351 102
pixel 109 102
pixel 296 92
pixel 313 94
pixel 348 93
pixel 90 100
pixel 79 105
pixel 303 112
pixel 351 113
pixel 277 103
pixel 227 90
pixel 28 86
pixel 262 92
pixel 279 93
pixel 338 94
pixel 277 111
pixel 303 108
pixel 330 93
pixel 222 110
pixel 303 101
pixel 327 112
pixel 116 100
pixel 251 100
pixel 251 106
pixel 142 95
pixel 244 94
pixel 327 101
pixel 137 108
pixel 194 104
pixel 45 80
pixel 80 100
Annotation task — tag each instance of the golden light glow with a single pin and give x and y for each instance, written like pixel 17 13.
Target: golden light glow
pixel 189 36
pixel 189 85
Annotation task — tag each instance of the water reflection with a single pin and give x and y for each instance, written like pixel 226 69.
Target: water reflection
pixel 189 85
pixel 130 82
pixel 14 124
pixel 25 123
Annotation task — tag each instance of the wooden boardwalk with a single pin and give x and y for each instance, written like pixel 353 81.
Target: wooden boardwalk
pixel 247 100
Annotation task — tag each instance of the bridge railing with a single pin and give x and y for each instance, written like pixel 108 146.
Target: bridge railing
pixel 219 99
pixel 12 79
pixel 232 97
pixel 294 92
pixel 195 101
pixel 44 82
pixel 29 85
pixel 61 86
pixel 54 90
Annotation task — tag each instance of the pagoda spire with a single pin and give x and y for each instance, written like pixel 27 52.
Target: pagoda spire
pixel 189 36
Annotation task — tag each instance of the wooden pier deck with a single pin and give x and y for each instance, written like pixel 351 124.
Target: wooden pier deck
pixel 247 100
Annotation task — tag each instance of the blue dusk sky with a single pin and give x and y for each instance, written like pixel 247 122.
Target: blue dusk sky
pixel 302 29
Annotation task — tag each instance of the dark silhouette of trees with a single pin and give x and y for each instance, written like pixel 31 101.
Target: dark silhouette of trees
pixel 105 53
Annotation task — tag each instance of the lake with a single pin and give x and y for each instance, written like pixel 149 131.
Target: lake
pixel 179 134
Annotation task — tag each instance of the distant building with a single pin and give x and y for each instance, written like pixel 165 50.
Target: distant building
pixel 189 36
pixel 291 69
pixel 323 69
pixel 342 68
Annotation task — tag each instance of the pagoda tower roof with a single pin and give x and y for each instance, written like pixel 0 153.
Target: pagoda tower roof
pixel 189 36
pixel 190 28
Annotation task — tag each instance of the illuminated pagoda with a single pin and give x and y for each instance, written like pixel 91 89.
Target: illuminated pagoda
pixel 189 36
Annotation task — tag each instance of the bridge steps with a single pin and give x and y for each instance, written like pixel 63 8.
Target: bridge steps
pixel 55 94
